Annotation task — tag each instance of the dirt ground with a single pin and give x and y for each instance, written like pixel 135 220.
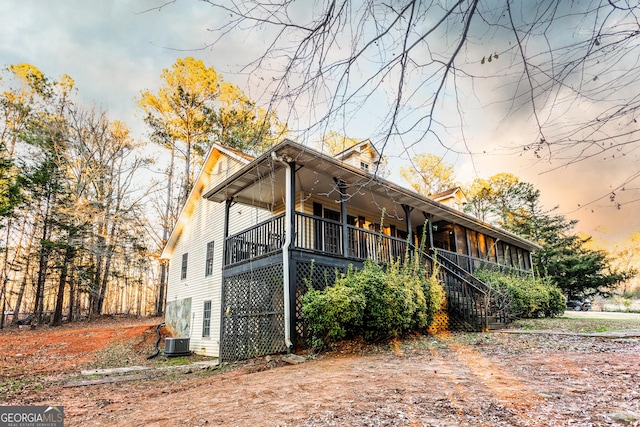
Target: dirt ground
pixel 491 379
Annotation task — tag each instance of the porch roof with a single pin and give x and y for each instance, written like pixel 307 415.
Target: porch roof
pixel 261 183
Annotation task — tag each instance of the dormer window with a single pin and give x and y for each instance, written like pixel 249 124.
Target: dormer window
pixel 364 166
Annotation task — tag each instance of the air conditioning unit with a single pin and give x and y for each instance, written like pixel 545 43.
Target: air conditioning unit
pixel 176 347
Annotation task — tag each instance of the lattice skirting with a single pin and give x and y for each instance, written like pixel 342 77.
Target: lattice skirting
pixel 253 308
pixel 440 322
pixel 253 314
pixel 316 276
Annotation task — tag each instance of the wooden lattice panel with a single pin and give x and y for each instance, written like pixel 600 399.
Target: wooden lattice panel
pixel 319 277
pixel 253 314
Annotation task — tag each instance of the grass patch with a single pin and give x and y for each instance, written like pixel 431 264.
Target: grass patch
pixel 565 324
pixel 176 361
pixel 17 385
pixel 115 356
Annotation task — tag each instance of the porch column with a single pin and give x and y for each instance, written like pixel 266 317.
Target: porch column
pixel 291 201
pixel 342 187
pixel 430 231
pixel 407 216
pixel 288 268
pixel 466 234
pixel 227 208
pixel 533 270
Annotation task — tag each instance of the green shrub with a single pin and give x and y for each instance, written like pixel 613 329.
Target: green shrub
pixel 529 296
pixel 333 313
pixel 373 303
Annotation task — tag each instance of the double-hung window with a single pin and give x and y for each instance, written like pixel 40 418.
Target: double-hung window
pixel 206 319
pixel 183 270
pixel 208 270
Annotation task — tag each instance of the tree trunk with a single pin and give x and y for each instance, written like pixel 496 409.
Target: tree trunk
pixel 68 256
pixel 72 295
pixel 4 307
pixel 105 280
pixel 38 306
pixel 166 226
pixel 23 286
pixel 45 250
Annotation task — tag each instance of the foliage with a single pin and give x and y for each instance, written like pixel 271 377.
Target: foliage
pixel 336 143
pixel 429 174
pixel 10 194
pixel 496 199
pixel 76 233
pixel 565 257
pixel 373 303
pixel 334 312
pixel 195 107
pixel 625 257
pixel 529 297
pixel 577 270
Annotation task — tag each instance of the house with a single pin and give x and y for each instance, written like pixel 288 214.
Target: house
pixel 255 233
pixel 454 198
pixel 363 155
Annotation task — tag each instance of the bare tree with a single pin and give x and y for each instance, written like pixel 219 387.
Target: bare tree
pixel 425 67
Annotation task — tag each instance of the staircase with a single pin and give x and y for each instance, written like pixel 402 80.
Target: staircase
pixel 472 304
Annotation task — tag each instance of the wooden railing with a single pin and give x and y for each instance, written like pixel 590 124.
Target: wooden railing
pixel 325 236
pixel 314 234
pixel 469 298
pixel 260 240
pixel 472 264
pixel 493 303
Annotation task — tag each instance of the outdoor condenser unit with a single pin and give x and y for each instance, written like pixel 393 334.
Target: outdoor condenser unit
pixel 176 347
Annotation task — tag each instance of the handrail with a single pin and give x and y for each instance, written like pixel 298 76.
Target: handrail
pixel 261 239
pixel 497 302
pixel 468 299
pixel 325 235
pixel 483 263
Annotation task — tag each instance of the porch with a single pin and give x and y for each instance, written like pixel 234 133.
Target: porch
pixel 326 215
pixel 322 236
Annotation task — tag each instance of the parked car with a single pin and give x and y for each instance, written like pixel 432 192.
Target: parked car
pixel 579 305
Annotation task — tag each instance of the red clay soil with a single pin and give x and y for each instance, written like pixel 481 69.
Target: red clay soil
pixel 48 350
pixel 444 380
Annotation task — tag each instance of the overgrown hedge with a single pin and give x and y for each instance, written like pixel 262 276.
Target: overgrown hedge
pixel 530 297
pixel 373 303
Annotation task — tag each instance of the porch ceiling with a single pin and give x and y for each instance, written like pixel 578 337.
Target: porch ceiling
pixel 262 183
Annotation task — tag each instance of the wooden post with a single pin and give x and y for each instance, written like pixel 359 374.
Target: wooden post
pixel 342 187
pixel 226 255
pixel 289 268
pixel 407 214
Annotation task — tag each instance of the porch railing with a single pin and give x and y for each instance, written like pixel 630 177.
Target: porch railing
pixel 324 235
pixel 314 234
pixel 493 303
pixel 472 300
pixel 472 264
pixel 262 239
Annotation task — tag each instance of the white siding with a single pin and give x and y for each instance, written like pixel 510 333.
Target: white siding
pixel 206 224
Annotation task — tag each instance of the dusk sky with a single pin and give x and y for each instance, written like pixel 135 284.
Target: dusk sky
pixel 115 49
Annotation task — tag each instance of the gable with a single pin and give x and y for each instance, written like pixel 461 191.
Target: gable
pixel 362 155
pixel 220 164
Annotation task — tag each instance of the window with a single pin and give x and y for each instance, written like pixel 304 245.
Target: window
pixel 208 270
pixel 206 319
pixel 364 166
pixel 183 271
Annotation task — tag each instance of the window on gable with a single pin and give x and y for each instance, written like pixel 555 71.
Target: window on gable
pixel 364 166
pixel 183 271
pixel 208 271
pixel 206 319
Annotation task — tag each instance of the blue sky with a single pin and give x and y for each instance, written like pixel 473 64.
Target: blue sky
pixel 114 49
